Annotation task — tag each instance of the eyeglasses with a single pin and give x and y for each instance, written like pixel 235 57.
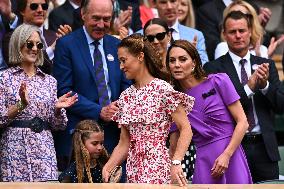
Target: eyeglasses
pixel 158 36
pixel 34 6
pixel 30 45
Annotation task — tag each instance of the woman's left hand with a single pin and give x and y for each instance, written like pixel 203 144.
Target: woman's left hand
pixel 220 165
pixel 177 175
pixel 66 100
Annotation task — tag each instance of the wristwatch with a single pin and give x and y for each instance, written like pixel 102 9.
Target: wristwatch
pixel 176 162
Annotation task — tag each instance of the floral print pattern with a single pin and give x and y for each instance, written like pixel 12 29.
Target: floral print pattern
pixel 26 155
pixel 146 113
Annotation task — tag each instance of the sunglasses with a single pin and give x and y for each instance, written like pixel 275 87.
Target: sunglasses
pixel 158 36
pixel 30 45
pixel 34 6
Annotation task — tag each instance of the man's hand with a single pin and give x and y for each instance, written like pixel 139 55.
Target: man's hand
pixel 108 111
pixel 262 75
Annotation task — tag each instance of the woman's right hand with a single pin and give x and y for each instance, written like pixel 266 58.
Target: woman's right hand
pixel 24 94
pixel 105 174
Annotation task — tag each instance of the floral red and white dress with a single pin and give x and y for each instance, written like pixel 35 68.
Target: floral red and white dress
pixel 146 113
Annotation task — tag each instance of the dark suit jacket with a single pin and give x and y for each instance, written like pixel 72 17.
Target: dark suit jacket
pixel 74 71
pixel 60 16
pixel 266 105
pixel 49 36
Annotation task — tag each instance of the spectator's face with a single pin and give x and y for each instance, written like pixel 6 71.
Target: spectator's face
pixel 97 18
pixel 180 64
pixel 95 144
pixel 182 10
pixel 131 65
pixel 35 12
pixel 168 10
pixel 160 36
pixel 237 34
pixel 31 49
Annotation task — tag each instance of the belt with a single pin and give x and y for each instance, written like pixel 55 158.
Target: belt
pixel 36 124
pixel 252 138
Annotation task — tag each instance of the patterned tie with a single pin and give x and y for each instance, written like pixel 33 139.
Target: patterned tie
pixel 249 112
pixel 100 76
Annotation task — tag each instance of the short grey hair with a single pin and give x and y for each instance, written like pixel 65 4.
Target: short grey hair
pixel 18 40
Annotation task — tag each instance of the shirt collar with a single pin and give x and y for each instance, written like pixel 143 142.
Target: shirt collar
pixel 90 40
pixel 236 59
pixel 17 69
pixel 175 26
pixel 73 5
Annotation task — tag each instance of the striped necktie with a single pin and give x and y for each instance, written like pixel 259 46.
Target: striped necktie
pixel 249 111
pixel 100 76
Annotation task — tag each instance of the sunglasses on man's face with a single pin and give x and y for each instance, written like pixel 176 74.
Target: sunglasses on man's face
pixel 31 44
pixel 34 6
pixel 158 36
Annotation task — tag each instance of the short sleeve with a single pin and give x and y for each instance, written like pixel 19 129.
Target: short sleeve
pixel 172 99
pixel 225 88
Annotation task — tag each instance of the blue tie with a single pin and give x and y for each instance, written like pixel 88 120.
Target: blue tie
pixel 249 112
pixel 100 76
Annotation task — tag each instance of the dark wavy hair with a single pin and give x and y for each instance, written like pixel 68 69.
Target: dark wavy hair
pixel 198 72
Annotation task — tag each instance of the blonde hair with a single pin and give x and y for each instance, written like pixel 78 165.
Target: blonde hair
pixel 190 17
pixel 82 156
pixel 18 40
pixel 256 28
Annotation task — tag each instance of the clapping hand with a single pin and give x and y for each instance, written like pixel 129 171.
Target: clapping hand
pixel 194 42
pixel 262 75
pixel 273 44
pixel 24 94
pixel 66 100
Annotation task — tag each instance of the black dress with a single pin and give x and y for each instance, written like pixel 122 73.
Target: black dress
pixel 70 175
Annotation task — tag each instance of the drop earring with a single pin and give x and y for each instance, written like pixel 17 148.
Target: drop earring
pixel 192 70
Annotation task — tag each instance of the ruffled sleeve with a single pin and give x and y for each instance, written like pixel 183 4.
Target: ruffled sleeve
pixel 223 85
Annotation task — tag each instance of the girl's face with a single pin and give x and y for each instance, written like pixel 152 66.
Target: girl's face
pixel 95 144
pixel 31 48
pixel 129 64
pixel 160 36
pixel 180 63
pixel 183 10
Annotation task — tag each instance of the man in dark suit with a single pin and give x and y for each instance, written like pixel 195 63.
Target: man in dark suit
pixel 209 22
pixel 63 14
pixel 75 69
pixel 34 13
pixel 262 95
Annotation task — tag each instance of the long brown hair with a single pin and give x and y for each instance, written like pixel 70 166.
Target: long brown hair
pixel 198 73
pixel 82 157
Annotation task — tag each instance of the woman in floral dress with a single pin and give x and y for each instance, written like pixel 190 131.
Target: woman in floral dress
pixel 145 113
pixel 29 108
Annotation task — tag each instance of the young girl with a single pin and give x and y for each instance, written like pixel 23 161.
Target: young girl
pixel 89 152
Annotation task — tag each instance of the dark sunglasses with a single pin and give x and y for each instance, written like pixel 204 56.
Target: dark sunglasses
pixel 158 36
pixel 34 6
pixel 38 45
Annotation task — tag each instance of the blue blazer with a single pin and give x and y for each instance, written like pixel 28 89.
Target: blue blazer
pixel 188 34
pixel 74 71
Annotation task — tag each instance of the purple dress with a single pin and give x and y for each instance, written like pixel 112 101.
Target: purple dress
pixel 213 126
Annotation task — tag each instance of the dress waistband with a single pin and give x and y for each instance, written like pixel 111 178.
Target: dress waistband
pixel 36 124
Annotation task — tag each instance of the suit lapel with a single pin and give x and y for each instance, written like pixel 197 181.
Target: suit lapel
pixel 83 47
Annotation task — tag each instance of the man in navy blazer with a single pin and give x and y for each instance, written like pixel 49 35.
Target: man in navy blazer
pixel 261 97
pixel 74 70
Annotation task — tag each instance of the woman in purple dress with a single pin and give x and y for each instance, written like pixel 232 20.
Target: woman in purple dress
pixel 218 120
